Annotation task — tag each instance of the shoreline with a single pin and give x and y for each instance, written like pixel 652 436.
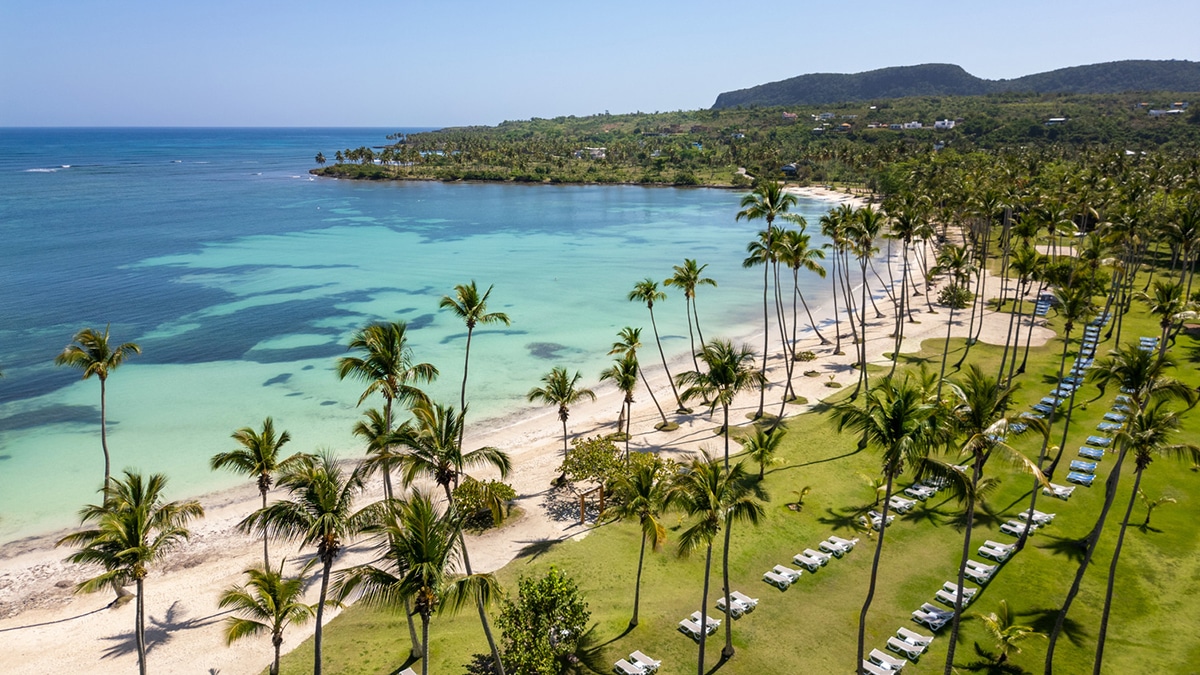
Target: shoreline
pixel 38 610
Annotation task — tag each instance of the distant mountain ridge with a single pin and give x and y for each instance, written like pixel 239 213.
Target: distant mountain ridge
pixel 943 79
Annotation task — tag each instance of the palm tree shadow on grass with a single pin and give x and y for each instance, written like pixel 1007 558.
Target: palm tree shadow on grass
pixel 159 631
pixel 1074 549
pixel 846 518
pixel 986 515
pixel 1042 621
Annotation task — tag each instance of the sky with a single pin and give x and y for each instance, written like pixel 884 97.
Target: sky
pixel 398 63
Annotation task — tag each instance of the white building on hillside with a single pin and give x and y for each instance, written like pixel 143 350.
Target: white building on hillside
pixel 943 124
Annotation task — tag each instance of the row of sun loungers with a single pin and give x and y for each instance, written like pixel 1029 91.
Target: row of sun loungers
pixel 881 663
pixel 783 577
pixel 638 664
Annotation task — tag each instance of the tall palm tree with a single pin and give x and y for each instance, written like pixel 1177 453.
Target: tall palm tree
pixel 730 371
pixel 628 342
pixel 91 353
pixel 639 496
pixel 833 226
pixel 382 455
pixel 384 363
pixel 796 253
pixel 762 446
pixel 954 261
pixel 762 250
pixel 1074 306
pixel 981 415
pixel 131 530
pixel 259 457
pixel 560 390
pixel 624 374
pixel 715 496
pixel 471 307
pixel 646 291
pixel 418 551
pixel 687 277
pixel 1146 435
pixel 435 453
pixel 320 513
pixel 864 230
pixel 895 419
pixel 1165 302
pixel 268 603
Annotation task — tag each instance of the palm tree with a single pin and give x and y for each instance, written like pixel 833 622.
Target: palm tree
pixel 762 251
pixel 375 429
pixel 1165 302
pixel 714 496
pixel 1152 504
pixel 1146 434
pixel 895 418
pixel 469 306
pixel 132 529
pixel 687 277
pixel 384 363
pixel 91 353
pixel 762 446
pixel 624 374
pixel 319 512
pixel 730 372
pixel 639 495
pixel 981 414
pixel 259 457
pixel 1008 634
pixel 795 252
pixel 1074 306
pixel 864 230
pixel 954 261
pixel 560 390
pixel 267 603
pixel 647 291
pixel 629 341
pixel 418 549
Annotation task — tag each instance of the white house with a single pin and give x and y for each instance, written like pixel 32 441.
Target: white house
pixel 943 124
pixel 912 125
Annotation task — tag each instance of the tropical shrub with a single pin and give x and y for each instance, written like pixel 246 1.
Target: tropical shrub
pixel 541 629
pixel 483 504
pixel 955 296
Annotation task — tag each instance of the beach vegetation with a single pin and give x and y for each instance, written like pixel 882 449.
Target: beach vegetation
pixel 561 391
pixel 544 626
pixel 267 603
pixel 728 371
pixel 638 495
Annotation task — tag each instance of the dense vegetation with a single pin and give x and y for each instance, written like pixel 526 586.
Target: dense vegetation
pixel 708 147
pixel 938 79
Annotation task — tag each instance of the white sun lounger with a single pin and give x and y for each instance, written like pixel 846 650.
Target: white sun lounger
pixel 1039 517
pixel 979 572
pixel 1002 546
pixel 776 580
pixel 788 572
pixel 914 637
pixel 848 543
pixel 953 588
pixel 913 652
pixel 648 664
pixel 932 621
pixel 999 555
pixel 1016 527
pixel 901 504
pixel 919 492
pixel 712 623
pixel 889 662
pixel 811 564
pixel 934 609
pixel 820 557
pixel 736 609
pixel 949 597
pixel 408 671
pixel 1063 492
pixel 690 628
pixel 748 602
pixel 873 669
pixel 875 515
pixel 834 548
pixel 626 668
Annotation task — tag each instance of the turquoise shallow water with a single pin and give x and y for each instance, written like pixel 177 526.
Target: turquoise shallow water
pixel 241 279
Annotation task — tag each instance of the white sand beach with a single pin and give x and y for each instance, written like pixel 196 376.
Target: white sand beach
pixel 45 628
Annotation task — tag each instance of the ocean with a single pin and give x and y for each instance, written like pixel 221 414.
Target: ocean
pixel 241 277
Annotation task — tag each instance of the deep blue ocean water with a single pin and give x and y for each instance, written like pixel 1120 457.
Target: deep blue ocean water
pixel 241 276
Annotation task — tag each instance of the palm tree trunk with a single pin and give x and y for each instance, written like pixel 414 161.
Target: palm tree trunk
pixel 962 566
pixel 862 615
pixel 1110 493
pixel 703 604
pixel 424 644
pixel 727 650
pixel 266 560
pixel 662 355
pixel 1112 573
pixel 321 614
pixel 945 351
pixel 652 396
pixel 862 361
pixel 1070 406
pixel 725 429
pixel 691 337
pixel 696 313
pixel 277 642
pixel 637 586
pixel 762 393
pixel 837 321
pixel 483 619
pixel 812 323
pixel 104 439
pixel 140 626
pixel 1029 333
pixel 462 398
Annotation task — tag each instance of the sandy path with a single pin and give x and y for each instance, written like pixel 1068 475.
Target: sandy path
pixel 46 629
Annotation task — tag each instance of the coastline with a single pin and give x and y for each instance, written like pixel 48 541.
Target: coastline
pixel 38 612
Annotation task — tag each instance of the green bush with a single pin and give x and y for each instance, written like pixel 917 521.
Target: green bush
pixel 955 297
pixel 483 504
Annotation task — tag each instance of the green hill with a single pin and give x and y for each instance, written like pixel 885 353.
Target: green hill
pixel 939 79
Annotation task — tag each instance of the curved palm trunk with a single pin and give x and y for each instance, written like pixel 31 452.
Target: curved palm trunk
pixel 704 603
pixel 483 618
pixel 1110 493
pixel 637 585
pixel 424 644
pixel 976 472
pixel 862 361
pixel 104 438
pixel 140 626
pixel 662 355
pixel 266 560
pixel 1029 333
pixel 696 313
pixel 945 351
pixel 837 321
pixel 762 394
pixel 462 398
pixel 862 615
pixel 652 397
pixel 727 650
pixel 811 322
pixel 725 430
pixel 687 307
pixel 387 470
pixel 1112 572
pixel 1070 406
pixel 328 564
pixel 900 312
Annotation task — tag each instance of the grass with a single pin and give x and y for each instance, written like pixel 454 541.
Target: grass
pixel 812 627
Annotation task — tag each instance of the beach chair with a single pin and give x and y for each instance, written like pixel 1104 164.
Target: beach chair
pixel 979 572
pixel 780 582
pixel 1114 417
pixel 1038 517
pixel 1051 401
pixel 788 572
pixel 1017 427
pixel 1085 467
pixel 913 652
pixel 408 671
pixel 1003 547
pixel 1121 408
pixel 1108 427
pixel 953 587
pixel 993 553
pixel 934 609
pixel 1084 479
pixel 1016 528
pixel 648 664
pixel 890 662
pixel 901 504
pixel 1061 491
pixel 1102 441
pixel 1091 453
pixel 848 543
pixel 834 548
pixel 918 491
pixel 820 557
pixel 690 628
pixel 709 622
pixel 873 669
pixel 735 610
pixel 1043 408
pixel 1122 398
pixel 626 668
pixel 748 602
pixel 948 597
pixel 810 564
pixel 913 637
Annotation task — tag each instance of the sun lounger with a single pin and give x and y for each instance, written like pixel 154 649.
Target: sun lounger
pixel 1085 467
pixel 994 551
pixel 919 492
pixel 913 637
pixel 810 564
pixel 834 548
pixel 953 587
pixel 1000 545
pixel 1051 400
pixel 848 543
pixel 1063 392
pixel 1016 528
pixel 1091 453
pixel 1084 479
pixel 781 582
pixel 736 609
pixel 913 652
pixel 408 671
pixel 979 572
pixel 1017 427
pixel 1122 398
pixel 691 628
pixel 1108 426
pixel 1063 492
pixel 934 609
pixel 626 668
pixel 1114 417
pixel 933 621
pixel 1102 441
pixel 901 504
pixel 876 519
pixel 887 661
pixel 820 557
pixel 709 621
pixel 949 598
pixel 1043 408
pixel 748 602
pixel 648 664
pixel 1038 517
pixel 1121 408
pixel 788 572
pixel 873 669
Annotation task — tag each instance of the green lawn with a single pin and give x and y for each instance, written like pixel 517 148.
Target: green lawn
pixel 811 628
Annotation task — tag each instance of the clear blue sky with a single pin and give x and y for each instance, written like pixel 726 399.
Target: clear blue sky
pixel 399 63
